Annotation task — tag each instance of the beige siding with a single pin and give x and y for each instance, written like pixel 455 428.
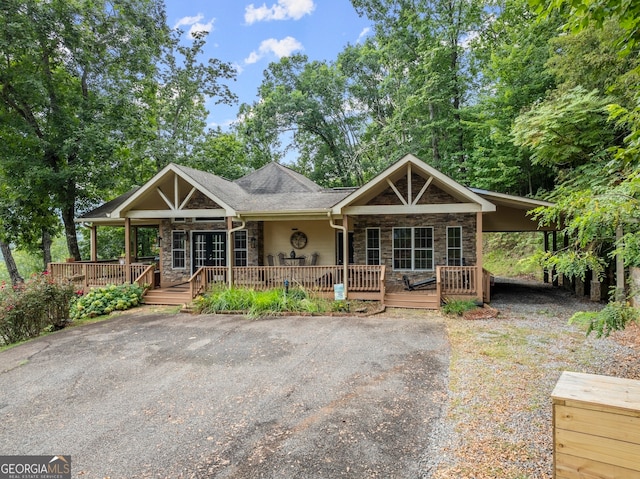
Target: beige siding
pixel 321 239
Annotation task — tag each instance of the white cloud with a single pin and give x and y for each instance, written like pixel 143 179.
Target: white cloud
pixel 188 20
pixel 280 48
pixel 283 10
pixel 365 31
pixel 195 24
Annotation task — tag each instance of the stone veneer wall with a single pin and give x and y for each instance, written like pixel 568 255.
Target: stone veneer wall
pixel 439 222
pixel 174 276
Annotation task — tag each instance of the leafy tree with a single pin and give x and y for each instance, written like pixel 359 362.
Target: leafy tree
pixel 309 102
pixel 222 154
pixel 71 77
pixel 424 45
pixel 94 96
pixel 598 201
pixel 183 88
pixel 510 55
pixel 567 129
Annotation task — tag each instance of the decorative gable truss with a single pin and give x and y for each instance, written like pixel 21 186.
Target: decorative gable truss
pixel 412 187
pixel 172 194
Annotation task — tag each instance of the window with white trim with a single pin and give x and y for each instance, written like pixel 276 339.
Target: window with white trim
pixel 240 248
pixel 373 246
pixel 413 248
pixel 454 245
pixel 178 249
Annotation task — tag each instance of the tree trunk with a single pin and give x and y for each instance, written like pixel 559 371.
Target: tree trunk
pixel 46 248
pixel 68 214
pixel 14 274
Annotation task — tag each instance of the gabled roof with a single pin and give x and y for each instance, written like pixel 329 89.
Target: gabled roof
pixel 277 191
pixel 399 169
pixel 214 187
pixel 271 190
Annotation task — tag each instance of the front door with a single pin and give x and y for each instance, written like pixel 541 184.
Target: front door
pixel 340 247
pixel 209 249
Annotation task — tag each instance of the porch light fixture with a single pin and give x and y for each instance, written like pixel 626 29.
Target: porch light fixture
pixel 253 242
pixel 158 241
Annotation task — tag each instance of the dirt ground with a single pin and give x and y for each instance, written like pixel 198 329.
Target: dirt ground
pixel 503 369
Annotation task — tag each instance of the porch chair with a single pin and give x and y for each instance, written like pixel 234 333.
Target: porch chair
pixel 281 259
pixel 409 286
pixel 270 259
pixel 314 259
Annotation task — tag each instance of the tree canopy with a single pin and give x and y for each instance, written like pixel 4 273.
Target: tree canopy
pixel 94 97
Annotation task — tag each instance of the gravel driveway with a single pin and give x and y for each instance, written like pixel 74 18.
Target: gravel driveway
pixel 150 394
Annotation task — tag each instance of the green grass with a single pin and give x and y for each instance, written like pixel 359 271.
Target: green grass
pixel 258 304
pixel 507 254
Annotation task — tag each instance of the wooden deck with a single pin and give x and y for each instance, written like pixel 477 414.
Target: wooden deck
pixel 362 282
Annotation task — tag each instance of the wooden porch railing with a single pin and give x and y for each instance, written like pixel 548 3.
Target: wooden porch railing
pixel 457 280
pixel 146 279
pixel 98 274
pixel 206 277
pixel 361 278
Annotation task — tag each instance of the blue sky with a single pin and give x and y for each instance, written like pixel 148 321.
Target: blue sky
pixel 250 35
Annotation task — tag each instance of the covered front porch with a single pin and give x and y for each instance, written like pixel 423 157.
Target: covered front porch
pixel 363 282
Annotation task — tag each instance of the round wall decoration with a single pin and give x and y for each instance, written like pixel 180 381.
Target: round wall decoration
pixel 298 240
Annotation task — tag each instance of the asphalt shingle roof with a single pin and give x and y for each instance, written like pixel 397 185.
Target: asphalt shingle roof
pixel 272 188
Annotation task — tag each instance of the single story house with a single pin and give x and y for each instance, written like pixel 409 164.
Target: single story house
pixel 409 237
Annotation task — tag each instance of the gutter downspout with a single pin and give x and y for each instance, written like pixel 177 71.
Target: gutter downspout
pixel 230 232
pixel 345 252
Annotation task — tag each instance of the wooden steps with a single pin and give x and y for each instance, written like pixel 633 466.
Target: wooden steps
pixel 168 296
pixel 412 299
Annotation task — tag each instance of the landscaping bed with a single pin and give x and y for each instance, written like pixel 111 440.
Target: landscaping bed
pixel 498 421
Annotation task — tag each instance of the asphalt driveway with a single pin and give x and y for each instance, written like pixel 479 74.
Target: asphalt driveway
pixel 181 396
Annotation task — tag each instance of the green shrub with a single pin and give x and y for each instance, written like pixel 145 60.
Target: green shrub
pixel 28 309
pixel 260 303
pixel 613 317
pixel 458 306
pixel 106 300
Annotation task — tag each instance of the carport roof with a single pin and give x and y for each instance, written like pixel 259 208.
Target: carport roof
pixel 512 213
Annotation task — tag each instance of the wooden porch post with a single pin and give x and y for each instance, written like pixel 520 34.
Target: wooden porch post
pixel 127 248
pixel 134 242
pixel 94 243
pixel 479 275
pixel 230 250
pixel 345 255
